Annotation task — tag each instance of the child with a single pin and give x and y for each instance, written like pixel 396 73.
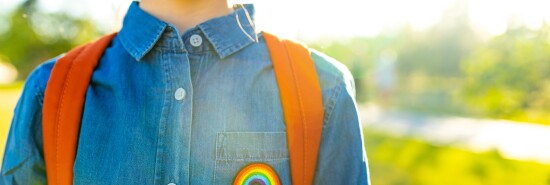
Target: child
pixel 186 94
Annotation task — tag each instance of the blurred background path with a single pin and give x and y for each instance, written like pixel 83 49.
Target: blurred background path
pixel 514 140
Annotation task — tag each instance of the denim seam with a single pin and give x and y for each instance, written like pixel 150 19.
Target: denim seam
pixel 216 43
pixel 251 159
pixel 152 42
pixel 283 151
pixel 201 66
pixel 161 128
pixel 225 133
pixel 223 48
pixel 130 47
pixel 331 104
pixel 215 162
pixel 138 52
pixel 39 94
pixel 15 167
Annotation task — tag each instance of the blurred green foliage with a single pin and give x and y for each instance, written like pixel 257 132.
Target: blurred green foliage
pixel 428 69
pixel 33 36
pixel 509 77
pixel 449 69
pixel 396 161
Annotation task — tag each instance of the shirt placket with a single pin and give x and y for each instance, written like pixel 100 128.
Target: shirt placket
pixel 174 141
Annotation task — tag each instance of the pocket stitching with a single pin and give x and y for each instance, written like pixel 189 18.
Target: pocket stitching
pixel 219 145
pixel 283 152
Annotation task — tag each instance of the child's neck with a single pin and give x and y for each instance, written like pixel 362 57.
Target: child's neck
pixel 185 14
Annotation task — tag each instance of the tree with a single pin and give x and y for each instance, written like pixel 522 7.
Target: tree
pixel 34 36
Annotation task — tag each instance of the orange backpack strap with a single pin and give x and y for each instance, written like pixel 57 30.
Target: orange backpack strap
pixel 301 98
pixel 62 111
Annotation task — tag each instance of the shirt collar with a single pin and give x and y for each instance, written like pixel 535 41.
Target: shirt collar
pixel 140 31
pixel 231 33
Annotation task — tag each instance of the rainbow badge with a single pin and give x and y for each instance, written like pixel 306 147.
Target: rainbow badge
pixel 257 174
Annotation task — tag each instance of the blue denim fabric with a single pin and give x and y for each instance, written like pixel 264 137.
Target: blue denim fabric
pixel 137 130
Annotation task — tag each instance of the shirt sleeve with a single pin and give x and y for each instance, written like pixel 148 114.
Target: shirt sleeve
pixel 342 158
pixel 23 161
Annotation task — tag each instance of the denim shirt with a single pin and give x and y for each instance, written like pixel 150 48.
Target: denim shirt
pixel 192 108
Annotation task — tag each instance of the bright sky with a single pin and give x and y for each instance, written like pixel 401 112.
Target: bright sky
pixel 329 18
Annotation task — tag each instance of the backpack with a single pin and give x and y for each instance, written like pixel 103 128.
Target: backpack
pixel 296 77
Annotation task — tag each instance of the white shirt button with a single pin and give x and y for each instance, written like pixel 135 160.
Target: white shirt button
pixel 171 183
pixel 180 94
pixel 196 40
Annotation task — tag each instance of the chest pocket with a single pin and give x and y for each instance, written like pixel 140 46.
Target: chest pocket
pixel 235 150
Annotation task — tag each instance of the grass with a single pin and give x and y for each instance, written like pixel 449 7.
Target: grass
pixel 394 160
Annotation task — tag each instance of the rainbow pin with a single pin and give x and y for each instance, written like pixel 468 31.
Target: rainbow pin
pixel 257 174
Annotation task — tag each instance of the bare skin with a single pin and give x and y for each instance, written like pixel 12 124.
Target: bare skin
pixel 185 14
